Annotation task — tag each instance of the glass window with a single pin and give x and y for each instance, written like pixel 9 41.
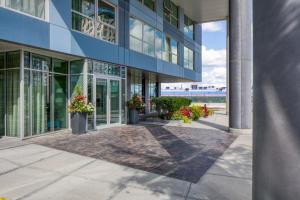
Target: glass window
pixel 106 68
pixel 90 98
pixel 152 90
pixel 13 60
pixel 82 24
pixel 171 12
pixel 142 37
pixel 85 7
pixel 12 102
pixel 188 27
pixel 170 50
pixel 60 66
pixel 188 58
pixel 136 44
pixel 136 82
pixel 60 94
pixel 32 7
pixel 148 40
pixel 77 66
pixel 106 25
pixel 40 103
pixel 2 56
pixel 149 3
pixel 41 62
pixel 27 106
pixel 159 38
pixel 2 103
pixel 103 26
pixel 136 28
pixel 106 13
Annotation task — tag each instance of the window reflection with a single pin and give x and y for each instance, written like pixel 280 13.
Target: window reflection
pixel 188 58
pixel 32 7
pixel 188 27
pixel 103 26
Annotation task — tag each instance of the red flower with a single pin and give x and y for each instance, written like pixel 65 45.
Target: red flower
pixel 186 112
pixel 206 113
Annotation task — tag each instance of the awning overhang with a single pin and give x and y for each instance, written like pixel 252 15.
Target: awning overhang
pixel 205 10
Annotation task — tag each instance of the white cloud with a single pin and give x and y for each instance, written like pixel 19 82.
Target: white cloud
pixel 214 58
pixel 214 75
pixel 212 27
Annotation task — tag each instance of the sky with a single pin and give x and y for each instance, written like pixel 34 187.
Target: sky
pixel 213 54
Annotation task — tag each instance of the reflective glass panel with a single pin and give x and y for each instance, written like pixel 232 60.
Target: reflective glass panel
pixel 114 101
pixel 2 103
pixel 41 62
pixel 158 44
pixel 136 28
pixel 32 7
pixel 60 66
pixel 12 102
pixel 106 13
pixel 105 32
pixel 27 105
pixel 86 7
pixel 60 93
pixel 101 102
pixel 82 24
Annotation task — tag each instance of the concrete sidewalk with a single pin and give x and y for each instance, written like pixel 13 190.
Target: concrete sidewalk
pixel 36 172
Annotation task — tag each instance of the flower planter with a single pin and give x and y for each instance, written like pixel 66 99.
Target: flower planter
pixel 78 123
pixel 133 116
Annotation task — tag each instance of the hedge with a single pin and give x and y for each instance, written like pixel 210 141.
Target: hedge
pixel 170 104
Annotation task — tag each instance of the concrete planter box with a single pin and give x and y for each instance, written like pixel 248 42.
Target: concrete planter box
pixel 79 123
pixel 133 116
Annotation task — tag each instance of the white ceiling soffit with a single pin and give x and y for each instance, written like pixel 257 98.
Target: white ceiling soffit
pixel 205 10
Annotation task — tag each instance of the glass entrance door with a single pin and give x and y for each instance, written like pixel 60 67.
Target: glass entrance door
pixel 108 99
pixel 114 101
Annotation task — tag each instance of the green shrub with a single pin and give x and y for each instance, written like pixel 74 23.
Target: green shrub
pixel 170 104
pixel 197 112
pixel 177 116
pixel 186 120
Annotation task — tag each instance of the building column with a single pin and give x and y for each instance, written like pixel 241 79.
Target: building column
pixel 240 65
pixel 276 127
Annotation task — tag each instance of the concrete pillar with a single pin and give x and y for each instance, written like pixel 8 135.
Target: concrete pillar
pixel 240 61
pixel 276 127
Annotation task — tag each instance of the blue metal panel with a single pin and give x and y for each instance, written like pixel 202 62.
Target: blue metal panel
pixel 60 13
pixel 172 69
pixel 90 47
pixel 60 39
pixel 19 28
pixel 142 61
pixel 189 74
pixel 142 12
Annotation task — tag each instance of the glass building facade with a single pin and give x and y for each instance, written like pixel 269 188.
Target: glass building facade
pixel 35 91
pixel 111 49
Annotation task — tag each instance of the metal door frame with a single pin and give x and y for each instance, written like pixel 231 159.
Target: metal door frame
pixel 108 101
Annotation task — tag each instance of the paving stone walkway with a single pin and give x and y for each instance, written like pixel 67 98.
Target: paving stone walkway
pixel 185 153
pixel 32 171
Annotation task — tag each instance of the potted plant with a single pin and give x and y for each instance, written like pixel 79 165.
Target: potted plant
pixel 79 109
pixel 135 105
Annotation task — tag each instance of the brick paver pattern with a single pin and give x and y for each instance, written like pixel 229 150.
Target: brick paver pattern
pixel 179 152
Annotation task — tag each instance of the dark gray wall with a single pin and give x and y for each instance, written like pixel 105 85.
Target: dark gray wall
pixel 276 127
